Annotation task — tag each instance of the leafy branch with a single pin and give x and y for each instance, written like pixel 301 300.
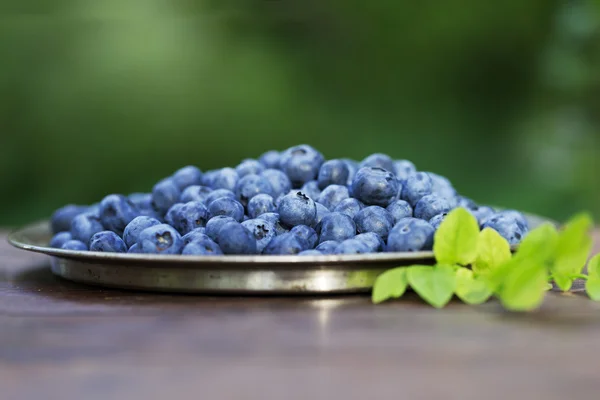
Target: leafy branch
pixel 475 265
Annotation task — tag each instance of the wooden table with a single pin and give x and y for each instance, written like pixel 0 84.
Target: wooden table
pixel 60 340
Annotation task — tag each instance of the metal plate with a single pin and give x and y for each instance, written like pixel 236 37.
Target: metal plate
pixel 346 273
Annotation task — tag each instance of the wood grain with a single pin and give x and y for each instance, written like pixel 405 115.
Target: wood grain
pixel 60 340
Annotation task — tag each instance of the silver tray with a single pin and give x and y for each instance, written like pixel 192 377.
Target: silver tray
pixel 232 274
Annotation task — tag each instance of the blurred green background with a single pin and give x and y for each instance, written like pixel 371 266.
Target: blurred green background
pixel 108 96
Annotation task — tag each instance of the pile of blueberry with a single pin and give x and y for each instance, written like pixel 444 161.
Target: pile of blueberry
pixel 290 202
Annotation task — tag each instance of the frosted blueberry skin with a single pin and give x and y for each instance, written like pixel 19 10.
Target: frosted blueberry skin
pixel 84 226
pixel 410 234
pixel 400 209
pixel 228 207
pixel 297 209
pixel 509 226
pixel 217 194
pixel 187 176
pixel 202 246
pixel 310 253
pixel 301 164
pixel 164 194
pixel 375 186
pixel 321 211
pixel 198 233
pixel 442 187
pixel 160 239
pixel 214 225
pixel 225 178
pixel 62 218
pixel 437 220
pixel 270 159
pixel 311 189
pixel 248 167
pixel 195 193
pixel 263 232
pixel 431 205
pixel 374 219
pixel 372 240
pixel 261 204
pixel 333 172
pixel 75 245
pixel 336 226
pixel 280 183
pixel 403 169
pixel 352 246
pixel 349 206
pixel 378 160
pixel 327 247
pixel 116 211
pixel 286 244
pixel 415 187
pixel 108 242
pixel 59 239
pixel 135 227
pixel 353 167
pixel 251 185
pixel 306 233
pixel 233 238
pixel 333 195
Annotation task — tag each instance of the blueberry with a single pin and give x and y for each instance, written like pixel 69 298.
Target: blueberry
pixel 311 189
pixel 116 211
pixel 349 206
pixel 321 211
pixel 135 227
pixel 400 209
pixel 332 195
pixel 190 216
pixel 437 220
pixel 143 203
pixel 174 214
pixel 483 213
pixel 336 226
pixel 216 194
pixel 261 204
pixel 62 218
pixel 164 194
pixel 310 253
pixel 415 187
pixel 262 231
pixel 187 176
pixel 465 202
pixel 378 160
pixel 59 239
pixel 287 243
pixel 75 245
pixel 333 172
pixel 374 219
pixel 375 186
pixel 225 178
pixel 403 169
pixel 270 159
pixel 509 227
pixel 195 193
pixel 202 246
pixel 248 167
pixel 519 217
pixel 410 234
pixel 352 246
pixel 251 185
pixel 297 209
pixel 327 247
pixel 214 225
pixel 196 234
pixel 280 183
pixel 84 226
pixel 306 233
pixel 442 186
pixel 301 164
pixel 209 177
pixel 135 249
pixel 160 239
pixel 108 242
pixel 228 207
pixel 352 168
pixel 233 238
pixel 372 240
pixel 431 205
pixel 271 217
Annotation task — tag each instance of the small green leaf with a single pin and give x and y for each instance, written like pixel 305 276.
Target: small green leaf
pixel 456 238
pixel 524 286
pixel 592 285
pixel 470 289
pixel 435 285
pixel 539 244
pixel 572 250
pixel 492 251
pixel 390 285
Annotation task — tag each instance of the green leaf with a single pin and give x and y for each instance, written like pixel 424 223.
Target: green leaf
pixel 592 285
pixel 492 251
pixel 539 244
pixel 470 289
pixel 435 285
pixel 524 286
pixel 456 238
pixel 390 285
pixel 572 250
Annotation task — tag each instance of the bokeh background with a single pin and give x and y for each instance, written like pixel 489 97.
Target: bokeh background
pixel 107 96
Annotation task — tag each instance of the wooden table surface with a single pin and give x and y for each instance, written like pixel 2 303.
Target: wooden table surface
pixel 61 340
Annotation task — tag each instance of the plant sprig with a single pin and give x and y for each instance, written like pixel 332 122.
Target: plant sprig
pixel 475 265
